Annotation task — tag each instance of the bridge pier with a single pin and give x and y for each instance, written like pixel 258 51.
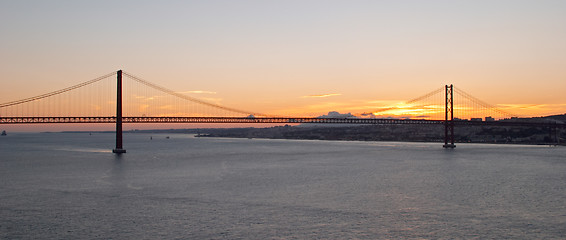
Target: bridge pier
pixel 119 149
pixel 449 145
pixel 449 121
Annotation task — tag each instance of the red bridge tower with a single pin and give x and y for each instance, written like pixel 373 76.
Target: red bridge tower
pixel 449 118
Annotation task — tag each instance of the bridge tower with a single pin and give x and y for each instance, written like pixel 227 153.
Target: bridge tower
pixel 449 118
pixel 119 149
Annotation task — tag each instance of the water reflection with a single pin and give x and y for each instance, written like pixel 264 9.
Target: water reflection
pixel 117 171
pixel 115 176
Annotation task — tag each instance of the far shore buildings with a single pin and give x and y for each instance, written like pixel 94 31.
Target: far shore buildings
pixel 487 119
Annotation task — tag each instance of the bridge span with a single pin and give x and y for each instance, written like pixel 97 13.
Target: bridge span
pixel 274 120
pixel 100 100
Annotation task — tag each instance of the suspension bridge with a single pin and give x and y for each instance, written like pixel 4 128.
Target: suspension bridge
pixel 108 99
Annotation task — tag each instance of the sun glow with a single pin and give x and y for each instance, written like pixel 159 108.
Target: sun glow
pixel 403 110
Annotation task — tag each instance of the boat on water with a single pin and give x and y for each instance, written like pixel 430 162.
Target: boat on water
pixel 3 133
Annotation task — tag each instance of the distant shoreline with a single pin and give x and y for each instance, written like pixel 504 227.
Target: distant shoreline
pixel 370 133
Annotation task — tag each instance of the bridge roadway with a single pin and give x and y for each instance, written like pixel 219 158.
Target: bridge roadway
pixel 288 120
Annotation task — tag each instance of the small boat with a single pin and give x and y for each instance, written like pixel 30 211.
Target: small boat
pixel 4 133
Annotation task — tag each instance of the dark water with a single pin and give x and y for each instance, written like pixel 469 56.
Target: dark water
pixel 69 186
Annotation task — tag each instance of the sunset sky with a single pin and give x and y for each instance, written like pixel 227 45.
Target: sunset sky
pixel 294 57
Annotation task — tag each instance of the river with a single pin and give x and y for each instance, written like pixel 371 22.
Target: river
pixel 176 186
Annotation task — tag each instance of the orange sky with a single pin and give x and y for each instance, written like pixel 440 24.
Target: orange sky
pixel 294 57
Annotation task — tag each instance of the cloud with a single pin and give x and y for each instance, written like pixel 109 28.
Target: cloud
pixel 213 100
pixel 198 92
pixel 146 98
pixel 335 114
pixel 167 107
pixel 318 108
pixel 322 95
pixel 523 106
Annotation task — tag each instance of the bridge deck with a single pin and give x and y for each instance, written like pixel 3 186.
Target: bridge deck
pixel 288 120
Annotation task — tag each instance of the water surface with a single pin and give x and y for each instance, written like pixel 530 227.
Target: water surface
pixel 70 185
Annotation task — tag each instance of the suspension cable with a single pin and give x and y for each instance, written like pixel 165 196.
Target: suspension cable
pixel 56 92
pixel 482 103
pixel 182 96
pixel 432 93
